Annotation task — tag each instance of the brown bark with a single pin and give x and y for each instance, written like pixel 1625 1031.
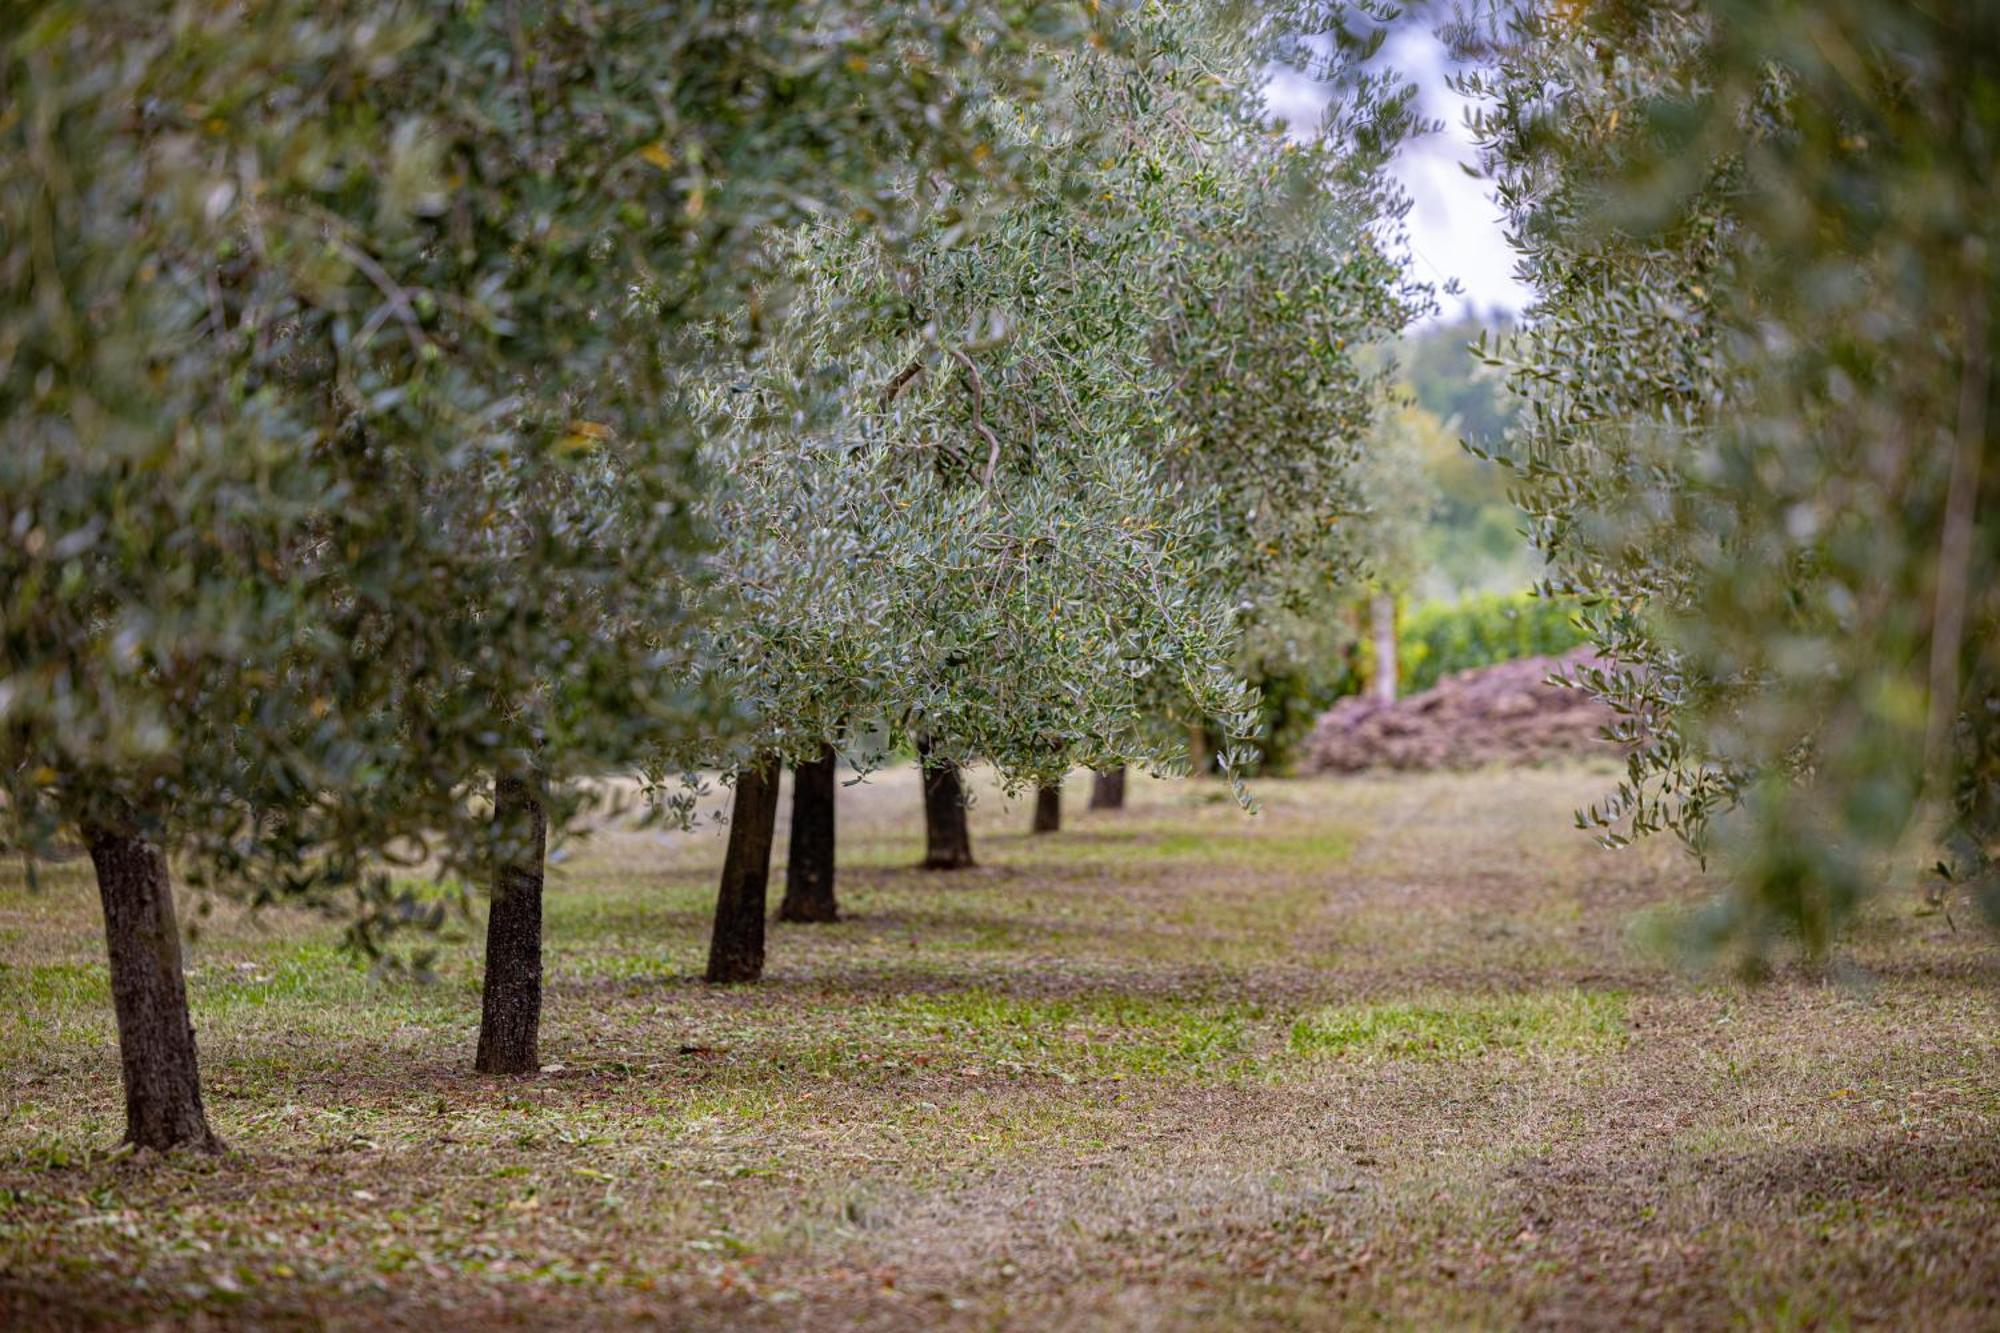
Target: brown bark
pixel 947 836
pixel 1048 810
pixel 736 945
pixel 1107 789
pixel 156 1050
pixel 510 1018
pixel 809 861
pixel 1955 541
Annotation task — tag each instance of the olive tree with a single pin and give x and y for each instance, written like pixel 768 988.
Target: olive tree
pixel 1758 388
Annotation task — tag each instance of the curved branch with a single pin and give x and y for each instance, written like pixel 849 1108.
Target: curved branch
pixel 977 387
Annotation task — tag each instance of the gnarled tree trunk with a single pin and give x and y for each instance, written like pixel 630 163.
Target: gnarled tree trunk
pixel 156 1052
pixel 809 863
pixel 947 836
pixel 1107 789
pixel 1048 810
pixel 510 1018
pixel 736 945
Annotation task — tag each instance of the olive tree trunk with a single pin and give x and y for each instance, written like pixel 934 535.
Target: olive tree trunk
pixel 156 1053
pixel 1107 789
pixel 510 1017
pixel 1048 810
pixel 736 945
pixel 947 836
pixel 809 863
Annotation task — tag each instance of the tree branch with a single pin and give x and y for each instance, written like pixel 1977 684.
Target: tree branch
pixel 894 388
pixel 977 387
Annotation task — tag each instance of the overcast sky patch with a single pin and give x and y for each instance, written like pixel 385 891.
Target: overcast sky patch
pixel 1454 223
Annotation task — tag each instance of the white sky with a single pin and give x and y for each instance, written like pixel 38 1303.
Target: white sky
pixel 1454 224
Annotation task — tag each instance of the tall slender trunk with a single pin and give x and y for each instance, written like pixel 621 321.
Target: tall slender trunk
pixel 510 1018
pixel 1200 762
pixel 1107 789
pixel 1048 810
pixel 736 945
pixel 809 864
pixel 1382 610
pixel 1955 540
pixel 947 836
pixel 156 1052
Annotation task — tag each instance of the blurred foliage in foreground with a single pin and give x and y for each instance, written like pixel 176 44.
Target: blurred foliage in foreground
pixel 1758 420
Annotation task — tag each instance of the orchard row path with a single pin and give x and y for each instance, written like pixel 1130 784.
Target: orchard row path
pixel 1405 1050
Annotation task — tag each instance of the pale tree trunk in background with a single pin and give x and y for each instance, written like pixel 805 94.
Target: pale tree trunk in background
pixel 510 1018
pixel 736 945
pixel 1048 810
pixel 1107 789
pixel 1199 764
pixel 156 1051
pixel 809 864
pixel 1383 612
pixel 947 836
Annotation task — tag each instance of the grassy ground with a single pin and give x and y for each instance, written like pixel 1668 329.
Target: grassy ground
pixel 1394 1051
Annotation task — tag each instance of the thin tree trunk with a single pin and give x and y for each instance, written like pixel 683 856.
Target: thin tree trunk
pixel 1200 762
pixel 736 945
pixel 809 864
pixel 510 1018
pixel 1107 789
pixel 156 1051
pixel 1383 612
pixel 947 836
pixel 1955 539
pixel 1048 810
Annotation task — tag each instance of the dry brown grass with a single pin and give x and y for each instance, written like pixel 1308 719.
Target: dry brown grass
pixel 1395 1051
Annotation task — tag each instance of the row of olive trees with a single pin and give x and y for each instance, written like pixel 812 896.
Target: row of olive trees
pixel 1018 496
pixel 412 418
pixel 1757 433
pixel 350 468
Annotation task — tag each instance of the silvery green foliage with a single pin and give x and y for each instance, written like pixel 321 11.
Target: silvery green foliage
pixel 1011 486
pixel 1619 373
pixel 339 357
pixel 874 603
pixel 1273 260
pixel 1276 285
pixel 1760 390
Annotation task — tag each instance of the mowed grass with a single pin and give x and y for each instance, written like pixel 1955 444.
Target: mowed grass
pixel 1457 1029
pixel 1401 1052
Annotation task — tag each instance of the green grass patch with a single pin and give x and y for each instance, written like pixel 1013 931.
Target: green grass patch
pixel 1095 1035
pixel 1459 1029
pixel 58 984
